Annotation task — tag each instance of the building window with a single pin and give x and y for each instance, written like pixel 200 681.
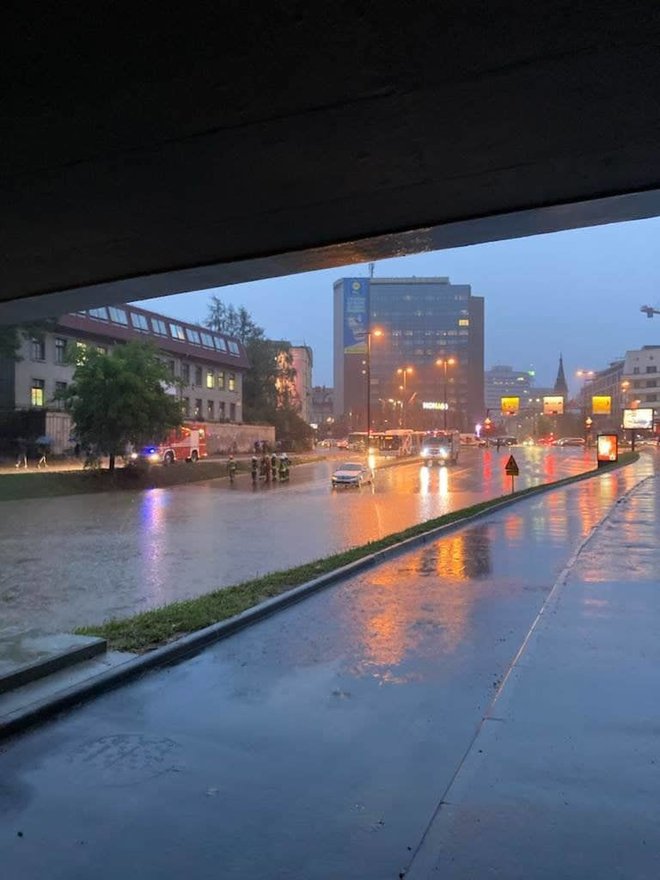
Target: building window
pixel 210 410
pixel 635 371
pixel 185 373
pixel 139 321
pixel 60 350
pixel 171 367
pixel 37 392
pixel 60 388
pixel 198 375
pixel 232 412
pixel 102 349
pixel 651 369
pixel 233 348
pixel 38 349
pixel 210 379
pixel 198 408
pixel 232 382
pixel 207 340
pixel 221 379
pixel 185 406
pixel 177 331
pixel 220 343
pixel 100 314
pixel 118 315
pixel 221 410
pixel 158 326
pixel 193 336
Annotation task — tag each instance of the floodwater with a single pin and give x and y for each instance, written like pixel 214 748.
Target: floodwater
pixel 82 559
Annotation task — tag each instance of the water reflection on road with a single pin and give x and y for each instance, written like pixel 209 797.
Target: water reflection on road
pixel 80 559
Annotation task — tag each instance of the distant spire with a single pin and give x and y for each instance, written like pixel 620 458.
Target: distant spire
pixel 561 386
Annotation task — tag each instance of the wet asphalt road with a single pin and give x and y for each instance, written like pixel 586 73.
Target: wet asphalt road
pixel 81 559
pixel 316 744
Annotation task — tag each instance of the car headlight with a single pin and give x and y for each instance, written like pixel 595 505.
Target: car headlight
pixel 134 456
pixel 425 453
pixel 154 456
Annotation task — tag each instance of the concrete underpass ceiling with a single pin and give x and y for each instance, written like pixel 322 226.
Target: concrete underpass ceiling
pixel 151 154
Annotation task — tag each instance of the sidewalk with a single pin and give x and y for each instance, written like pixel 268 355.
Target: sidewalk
pixel 563 777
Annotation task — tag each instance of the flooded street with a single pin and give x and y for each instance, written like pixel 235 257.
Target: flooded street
pixel 77 560
pixel 315 744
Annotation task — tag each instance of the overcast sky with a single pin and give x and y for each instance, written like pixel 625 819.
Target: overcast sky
pixel 576 292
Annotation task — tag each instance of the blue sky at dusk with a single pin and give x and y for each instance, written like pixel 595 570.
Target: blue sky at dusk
pixel 577 292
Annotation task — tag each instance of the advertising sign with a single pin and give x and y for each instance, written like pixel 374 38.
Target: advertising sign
pixel 638 419
pixel 607 448
pixel 356 315
pixel 601 406
pixel 510 406
pixel 434 404
pixel 553 406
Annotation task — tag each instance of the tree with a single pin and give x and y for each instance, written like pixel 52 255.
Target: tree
pixel 119 398
pixel 236 322
pixel 12 336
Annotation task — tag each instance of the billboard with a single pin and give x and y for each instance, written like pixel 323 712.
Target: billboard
pixel 356 315
pixel 553 406
pixel 607 448
pixel 509 406
pixel 602 405
pixel 638 419
pixel 434 404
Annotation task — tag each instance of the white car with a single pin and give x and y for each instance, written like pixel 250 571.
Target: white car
pixel 351 474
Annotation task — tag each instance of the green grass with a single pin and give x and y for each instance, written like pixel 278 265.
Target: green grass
pixel 151 629
pixel 48 484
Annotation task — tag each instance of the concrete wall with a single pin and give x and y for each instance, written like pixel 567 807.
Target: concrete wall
pixel 227 438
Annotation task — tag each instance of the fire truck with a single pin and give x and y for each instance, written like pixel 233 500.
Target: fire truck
pixel 187 443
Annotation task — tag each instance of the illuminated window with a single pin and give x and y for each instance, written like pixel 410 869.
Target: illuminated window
pixel 463 322
pixel 37 392
pixel 231 384
pixel 210 380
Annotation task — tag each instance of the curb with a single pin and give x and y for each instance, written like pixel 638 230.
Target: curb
pixel 188 646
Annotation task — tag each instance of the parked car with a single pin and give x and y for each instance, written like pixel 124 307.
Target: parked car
pixel 569 441
pixel 351 474
pixel 342 444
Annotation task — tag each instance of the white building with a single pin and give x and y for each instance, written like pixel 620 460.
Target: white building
pixel 641 379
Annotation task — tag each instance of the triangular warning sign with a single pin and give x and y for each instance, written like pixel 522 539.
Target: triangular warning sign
pixel 511 467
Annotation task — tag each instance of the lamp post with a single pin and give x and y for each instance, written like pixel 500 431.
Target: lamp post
pixel 445 363
pixel 369 334
pixel 404 372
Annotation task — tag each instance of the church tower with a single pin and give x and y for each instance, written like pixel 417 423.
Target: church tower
pixel 561 386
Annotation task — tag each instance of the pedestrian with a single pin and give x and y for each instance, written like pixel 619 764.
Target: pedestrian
pixel 231 468
pixel 273 466
pixel 42 461
pixel 76 450
pixel 266 465
pixel 498 443
pixel 255 470
pixel 21 460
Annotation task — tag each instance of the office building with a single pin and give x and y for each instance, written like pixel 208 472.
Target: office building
pixel 207 368
pixel 420 341
pixel 503 381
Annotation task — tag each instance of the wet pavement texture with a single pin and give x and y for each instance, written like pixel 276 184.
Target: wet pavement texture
pixel 76 560
pixel 315 744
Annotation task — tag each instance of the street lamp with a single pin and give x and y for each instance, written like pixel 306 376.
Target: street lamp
pixel 445 363
pixel 404 372
pixel 376 332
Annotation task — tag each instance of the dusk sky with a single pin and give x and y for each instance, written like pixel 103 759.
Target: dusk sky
pixel 576 292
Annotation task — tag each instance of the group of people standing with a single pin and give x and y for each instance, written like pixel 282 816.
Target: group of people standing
pixel 269 468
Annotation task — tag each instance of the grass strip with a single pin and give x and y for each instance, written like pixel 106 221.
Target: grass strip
pixel 150 629
pixel 45 484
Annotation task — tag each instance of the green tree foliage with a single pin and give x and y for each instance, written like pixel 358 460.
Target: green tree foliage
pixel 11 337
pixel 119 398
pixel 269 381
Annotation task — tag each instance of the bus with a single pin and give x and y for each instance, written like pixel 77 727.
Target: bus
pixel 398 441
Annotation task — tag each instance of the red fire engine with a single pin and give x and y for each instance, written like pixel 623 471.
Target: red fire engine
pixel 187 443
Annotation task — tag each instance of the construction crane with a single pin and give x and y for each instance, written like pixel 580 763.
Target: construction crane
pixel 649 311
